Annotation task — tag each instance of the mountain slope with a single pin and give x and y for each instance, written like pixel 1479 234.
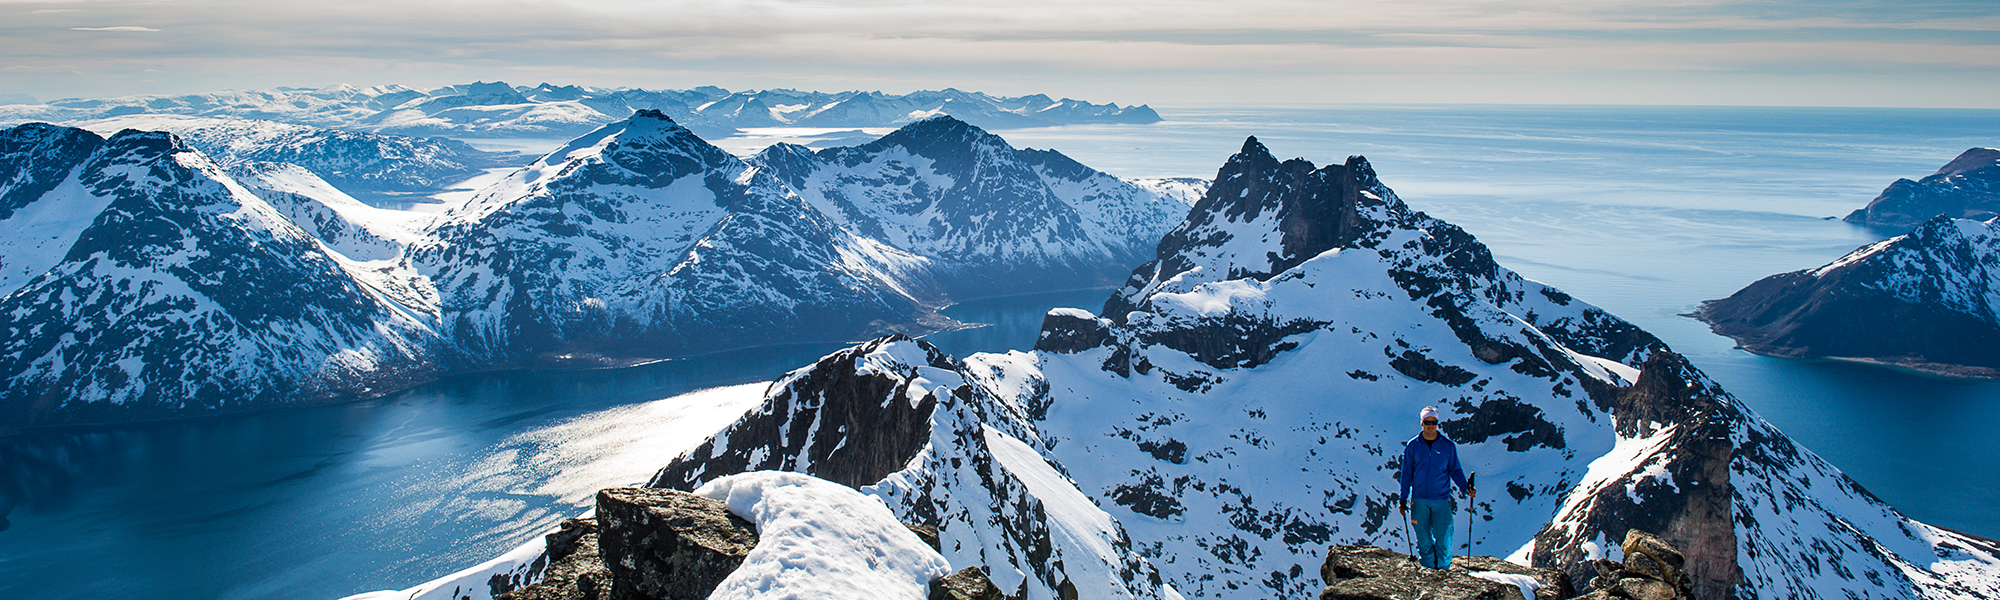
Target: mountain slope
pixel 995 220
pixel 642 239
pixel 1968 187
pixel 1927 300
pixel 188 294
pixel 1243 400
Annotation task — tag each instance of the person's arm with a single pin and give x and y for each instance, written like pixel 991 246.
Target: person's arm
pixel 1451 467
pixel 1407 476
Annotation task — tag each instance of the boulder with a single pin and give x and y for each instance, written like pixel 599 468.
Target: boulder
pixel 1652 571
pixel 969 583
pixel 1371 573
pixel 667 544
pixel 575 569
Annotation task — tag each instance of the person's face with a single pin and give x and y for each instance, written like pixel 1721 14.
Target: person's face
pixel 1430 426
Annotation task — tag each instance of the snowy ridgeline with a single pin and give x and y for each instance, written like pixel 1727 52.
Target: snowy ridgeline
pixel 500 110
pixel 1239 406
pixel 120 256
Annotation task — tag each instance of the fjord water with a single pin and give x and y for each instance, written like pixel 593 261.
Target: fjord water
pixel 1644 211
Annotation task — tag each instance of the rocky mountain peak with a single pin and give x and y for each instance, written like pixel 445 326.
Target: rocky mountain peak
pixel 1262 217
pixel 1975 158
pixel 936 138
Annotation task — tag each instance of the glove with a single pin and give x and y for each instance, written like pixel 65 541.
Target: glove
pixel 1402 506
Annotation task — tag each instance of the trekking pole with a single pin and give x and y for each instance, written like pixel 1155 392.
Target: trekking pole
pixel 1409 540
pixel 1471 483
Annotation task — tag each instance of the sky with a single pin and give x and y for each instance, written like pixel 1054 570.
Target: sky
pixel 1914 53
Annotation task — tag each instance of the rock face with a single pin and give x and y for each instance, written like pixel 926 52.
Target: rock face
pixel 993 219
pixel 1928 300
pixel 1359 572
pixel 968 583
pixel 572 569
pixel 497 109
pixel 1966 188
pixel 669 545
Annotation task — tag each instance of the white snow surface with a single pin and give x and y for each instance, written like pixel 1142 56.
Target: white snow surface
pixel 1954 264
pixel 818 539
pixel 1527 584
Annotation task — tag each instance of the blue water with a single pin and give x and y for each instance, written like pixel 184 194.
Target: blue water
pixel 1643 211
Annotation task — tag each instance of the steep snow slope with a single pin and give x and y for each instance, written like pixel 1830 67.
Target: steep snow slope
pixel 348 226
pixel 40 216
pixel 995 219
pixel 1927 300
pixel 187 294
pixel 642 239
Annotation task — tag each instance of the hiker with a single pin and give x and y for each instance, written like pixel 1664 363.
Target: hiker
pixel 1430 467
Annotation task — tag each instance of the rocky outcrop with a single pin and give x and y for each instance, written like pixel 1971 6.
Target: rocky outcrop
pixel 969 583
pixel 1966 188
pixel 840 419
pixel 1928 300
pixel 571 569
pixel 1358 572
pixel 669 545
pixel 1653 570
pixel 1689 496
pixel 645 544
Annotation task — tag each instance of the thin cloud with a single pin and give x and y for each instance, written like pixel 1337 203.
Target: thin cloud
pixel 116 28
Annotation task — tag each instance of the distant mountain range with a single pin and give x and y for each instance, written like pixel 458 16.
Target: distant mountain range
pixel 1968 187
pixel 501 110
pixel 1239 406
pixel 144 278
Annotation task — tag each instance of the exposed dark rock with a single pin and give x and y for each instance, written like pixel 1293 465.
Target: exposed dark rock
pixel 1371 573
pixel 1068 332
pixel 1921 301
pixel 574 568
pixel 1966 188
pixel 669 545
pixel 927 533
pixel 867 426
pixel 1691 505
pixel 969 583
pixel 1651 571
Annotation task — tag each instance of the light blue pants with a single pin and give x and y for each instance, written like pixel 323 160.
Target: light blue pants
pixel 1431 521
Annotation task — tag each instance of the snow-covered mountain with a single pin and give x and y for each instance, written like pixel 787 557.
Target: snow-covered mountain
pixel 1927 300
pixel 161 287
pixel 1243 399
pixel 994 219
pixel 1241 405
pixel 640 239
pixel 500 110
pixel 1968 187
pixel 357 163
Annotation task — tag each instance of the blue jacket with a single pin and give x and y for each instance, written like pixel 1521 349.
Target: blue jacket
pixel 1430 469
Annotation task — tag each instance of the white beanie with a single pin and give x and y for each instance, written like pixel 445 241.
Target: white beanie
pixel 1429 412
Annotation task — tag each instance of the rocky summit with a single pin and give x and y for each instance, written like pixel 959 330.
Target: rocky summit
pixel 1927 300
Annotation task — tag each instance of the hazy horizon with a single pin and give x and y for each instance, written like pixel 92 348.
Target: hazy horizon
pixel 1855 53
